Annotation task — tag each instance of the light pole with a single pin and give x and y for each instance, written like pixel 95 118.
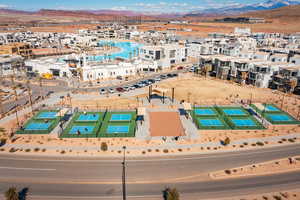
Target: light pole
pixel 124 174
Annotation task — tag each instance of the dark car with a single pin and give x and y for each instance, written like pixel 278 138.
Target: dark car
pixel 119 89
pixel 180 68
pixel 136 86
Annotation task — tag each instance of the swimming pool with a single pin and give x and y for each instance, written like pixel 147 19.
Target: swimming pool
pixel 127 49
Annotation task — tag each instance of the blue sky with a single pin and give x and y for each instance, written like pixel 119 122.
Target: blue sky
pixel 136 5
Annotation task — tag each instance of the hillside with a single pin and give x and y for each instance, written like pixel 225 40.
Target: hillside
pixel 286 14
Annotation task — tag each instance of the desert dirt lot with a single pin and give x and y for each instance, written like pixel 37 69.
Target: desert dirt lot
pixel 204 28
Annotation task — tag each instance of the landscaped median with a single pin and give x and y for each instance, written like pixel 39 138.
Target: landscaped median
pixel 270 167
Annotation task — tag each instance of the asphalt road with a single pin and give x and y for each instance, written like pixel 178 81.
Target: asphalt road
pixel 146 177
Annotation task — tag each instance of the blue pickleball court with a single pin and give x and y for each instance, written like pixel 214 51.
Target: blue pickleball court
pixel 210 122
pixel 120 117
pixel 233 111
pixel 117 129
pixel 34 126
pixel 279 117
pixel 243 122
pixel 88 117
pixel 204 112
pixel 82 130
pixel 46 115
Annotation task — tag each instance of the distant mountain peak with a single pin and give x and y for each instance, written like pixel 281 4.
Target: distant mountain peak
pixel 243 8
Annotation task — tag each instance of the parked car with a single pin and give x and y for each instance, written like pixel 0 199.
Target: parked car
pixel 103 91
pixel 163 76
pixel 111 90
pixel 126 88
pixel 151 81
pixel 119 77
pixel 180 68
pixel 136 86
pixel 119 89
pixel 157 79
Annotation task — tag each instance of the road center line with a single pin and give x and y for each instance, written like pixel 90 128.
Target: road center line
pixel 32 169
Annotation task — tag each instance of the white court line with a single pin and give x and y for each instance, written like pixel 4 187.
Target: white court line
pixel 18 168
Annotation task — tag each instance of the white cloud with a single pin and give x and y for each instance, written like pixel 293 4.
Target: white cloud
pixel 4 6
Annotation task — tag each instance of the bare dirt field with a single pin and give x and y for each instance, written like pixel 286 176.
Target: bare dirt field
pixel 202 29
pixel 270 167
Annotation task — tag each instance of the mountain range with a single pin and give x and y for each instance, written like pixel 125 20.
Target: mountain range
pixel 233 9
pixel 244 8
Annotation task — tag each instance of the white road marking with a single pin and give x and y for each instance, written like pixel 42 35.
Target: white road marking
pixel 32 169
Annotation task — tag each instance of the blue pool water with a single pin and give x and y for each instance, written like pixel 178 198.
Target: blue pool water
pixel 210 122
pixel 204 112
pixel 88 117
pixel 37 126
pixel 120 117
pixel 243 122
pixel 232 111
pixel 117 129
pixel 126 49
pixel 271 108
pixel 82 129
pixel 47 115
pixel 279 117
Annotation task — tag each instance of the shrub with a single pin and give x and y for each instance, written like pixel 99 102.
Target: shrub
pixel 36 149
pixel 260 143
pixel 43 150
pixel 2 141
pixel 63 152
pixel 227 141
pixel 291 140
pixel 27 150
pixel 104 146
pixel 227 171
pixel 12 150
pixel 166 151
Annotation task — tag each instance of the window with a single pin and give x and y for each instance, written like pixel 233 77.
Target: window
pixel 172 53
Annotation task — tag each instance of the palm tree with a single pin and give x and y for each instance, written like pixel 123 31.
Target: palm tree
pixel 171 194
pixel 41 86
pixel 29 94
pixel 11 194
pixel 2 131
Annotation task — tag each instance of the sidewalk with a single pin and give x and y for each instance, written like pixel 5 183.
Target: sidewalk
pixel 172 145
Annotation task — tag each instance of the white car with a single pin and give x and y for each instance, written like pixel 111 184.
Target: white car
pixel 111 90
pixel 157 79
pixel 103 91
pixel 126 88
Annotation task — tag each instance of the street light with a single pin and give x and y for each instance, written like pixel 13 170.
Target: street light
pixel 124 174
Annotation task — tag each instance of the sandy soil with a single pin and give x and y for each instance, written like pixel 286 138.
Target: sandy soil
pixel 274 166
pixel 202 29
pixel 286 195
